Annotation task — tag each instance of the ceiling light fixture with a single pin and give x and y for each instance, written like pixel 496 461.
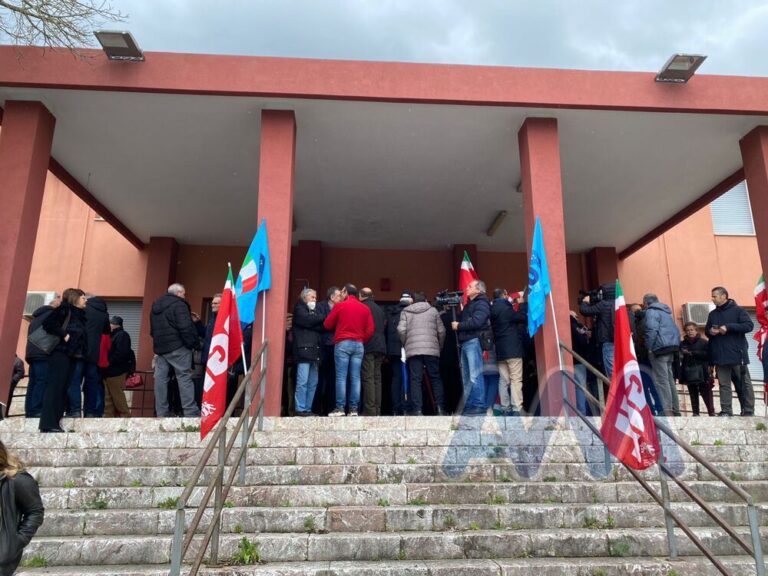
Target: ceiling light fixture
pixel 119 46
pixel 680 68
pixel 496 222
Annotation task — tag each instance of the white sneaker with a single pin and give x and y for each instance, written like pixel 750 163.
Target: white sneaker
pixel 352 413
pixel 336 413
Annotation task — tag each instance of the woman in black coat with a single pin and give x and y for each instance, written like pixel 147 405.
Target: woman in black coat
pixel 694 368
pixel 307 328
pixel 22 510
pixel 68 323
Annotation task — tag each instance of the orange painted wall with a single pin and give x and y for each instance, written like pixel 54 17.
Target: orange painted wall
pixel 203 270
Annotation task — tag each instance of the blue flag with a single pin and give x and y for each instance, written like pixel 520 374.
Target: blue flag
pixel 538 282
pixel 255 275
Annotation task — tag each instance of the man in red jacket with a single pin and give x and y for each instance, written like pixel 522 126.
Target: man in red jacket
pixel 353 324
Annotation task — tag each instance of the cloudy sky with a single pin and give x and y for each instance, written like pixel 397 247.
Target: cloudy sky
pixel 587 34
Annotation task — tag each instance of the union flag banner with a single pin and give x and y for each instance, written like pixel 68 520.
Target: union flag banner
pixel 628 427
pixel 761 298
pixel 226 345
pixel 255 275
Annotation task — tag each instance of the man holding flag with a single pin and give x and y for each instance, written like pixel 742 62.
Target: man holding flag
pixel 628 427
pixel 225 350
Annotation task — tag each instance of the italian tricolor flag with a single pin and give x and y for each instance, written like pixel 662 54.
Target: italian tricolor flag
pixel 628 427
pixel 249 274
pixel 466 274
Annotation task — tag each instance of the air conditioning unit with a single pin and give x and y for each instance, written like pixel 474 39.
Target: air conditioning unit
pixel 35 300
pixel 697 312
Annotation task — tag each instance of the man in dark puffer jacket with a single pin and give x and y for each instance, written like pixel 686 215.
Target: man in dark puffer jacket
pixel 174 337
pixel 96 325
pixel 604 313
pixel 662 338
pixel 726 327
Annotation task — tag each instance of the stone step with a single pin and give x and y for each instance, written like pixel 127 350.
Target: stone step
pixel 395 494
pixel 390 518
pixel 78 476
pixel 301 547
pixel 622 566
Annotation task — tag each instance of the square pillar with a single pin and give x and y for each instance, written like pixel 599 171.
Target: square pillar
pixel 276 163
pixel 25 151
pixel 543 197
pixel 602 266
pixel 754 154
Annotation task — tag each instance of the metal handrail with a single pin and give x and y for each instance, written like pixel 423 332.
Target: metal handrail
pixel 217 487
pixel 755 551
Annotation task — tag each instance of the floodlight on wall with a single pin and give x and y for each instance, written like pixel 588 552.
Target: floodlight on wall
pixel 680 68
pixel 119 46
pixel 496 222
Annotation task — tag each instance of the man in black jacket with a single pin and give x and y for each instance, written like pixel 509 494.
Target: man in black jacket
pixel 475 318
pixel 174 337
pixel 325 396
pixel 375 349
pixel 603 311
pixel 96 325
pixel 510 349
pixel 38 362
pixel 395 353
pixel 122 362
pixel 726 327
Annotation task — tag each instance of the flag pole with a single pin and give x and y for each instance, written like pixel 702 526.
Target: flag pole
pixel 242 346
pixel 264 318
pixel 557 334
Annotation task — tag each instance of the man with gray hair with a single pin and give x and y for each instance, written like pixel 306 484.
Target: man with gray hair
pixel 174 337
pixel 662 338
pixel 475 319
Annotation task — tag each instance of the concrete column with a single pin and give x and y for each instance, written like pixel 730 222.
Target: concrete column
pixel 306 266
pixel 25 150
pixel 754 154
pixel 276 163
pixel 543 197
pixel 602 266
pixel 162 255
pixel 458 256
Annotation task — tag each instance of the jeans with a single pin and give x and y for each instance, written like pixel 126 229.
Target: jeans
pixel 181 361
pixel 306 384
pixel 348 355
pixel 649 389
pixel 38 379
pixel 608 358
pixel 580 375
pixel 664 380
pixel 491 380
pixel 416 366
pixel 74 392
pixel 473 399
pixel 93 391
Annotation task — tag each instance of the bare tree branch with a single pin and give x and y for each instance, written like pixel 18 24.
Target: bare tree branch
pixel 54 23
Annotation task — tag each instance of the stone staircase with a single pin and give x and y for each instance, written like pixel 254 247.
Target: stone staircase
pixel 436 496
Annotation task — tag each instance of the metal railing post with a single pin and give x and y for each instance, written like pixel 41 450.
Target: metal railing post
pixel 262 388
pixel 178 537
pixel 757 546
pixel 668 521
pixel 217 499
pixel 244 434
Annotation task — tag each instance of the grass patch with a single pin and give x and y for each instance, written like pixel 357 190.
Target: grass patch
pixel 247 553
pixel 549 479
pixel 383 502
pixel 401 555
pixel 189 428
pixel 719 442
pixel 169 503
pixel 592 523
pixel 550 500
pixel 695 443
pixel 549 428
pixel 97 504
pixel 496 499
pixel 122 430
pixel 618 549
pixel 736 477
pixel 36 561
pixel 610 522
pixel 69 484
pixel 395 444
pixel 411 460
pixel 499 525
pixel 353 444
pixel 449 522
pixel 309 524
pixel 760 427
pixel 136 483
pixel 164 483
pixel 253 445
pixel 474 526
pixel 418 501
pixel 238 528
pixel 229 504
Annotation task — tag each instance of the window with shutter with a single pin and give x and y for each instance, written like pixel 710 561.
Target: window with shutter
pixel 732 213
pixel 130 312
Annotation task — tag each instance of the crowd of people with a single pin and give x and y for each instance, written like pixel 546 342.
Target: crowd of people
pixel 347 355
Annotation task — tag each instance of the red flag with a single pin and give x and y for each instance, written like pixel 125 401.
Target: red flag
pixel 628 427
pixel 466 274
pixel 761 302
pixel 225 350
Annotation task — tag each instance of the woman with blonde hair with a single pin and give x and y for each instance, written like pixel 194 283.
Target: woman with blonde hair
pixel 21 510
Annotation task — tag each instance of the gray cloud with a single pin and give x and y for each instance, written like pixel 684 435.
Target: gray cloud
pixel 588 34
